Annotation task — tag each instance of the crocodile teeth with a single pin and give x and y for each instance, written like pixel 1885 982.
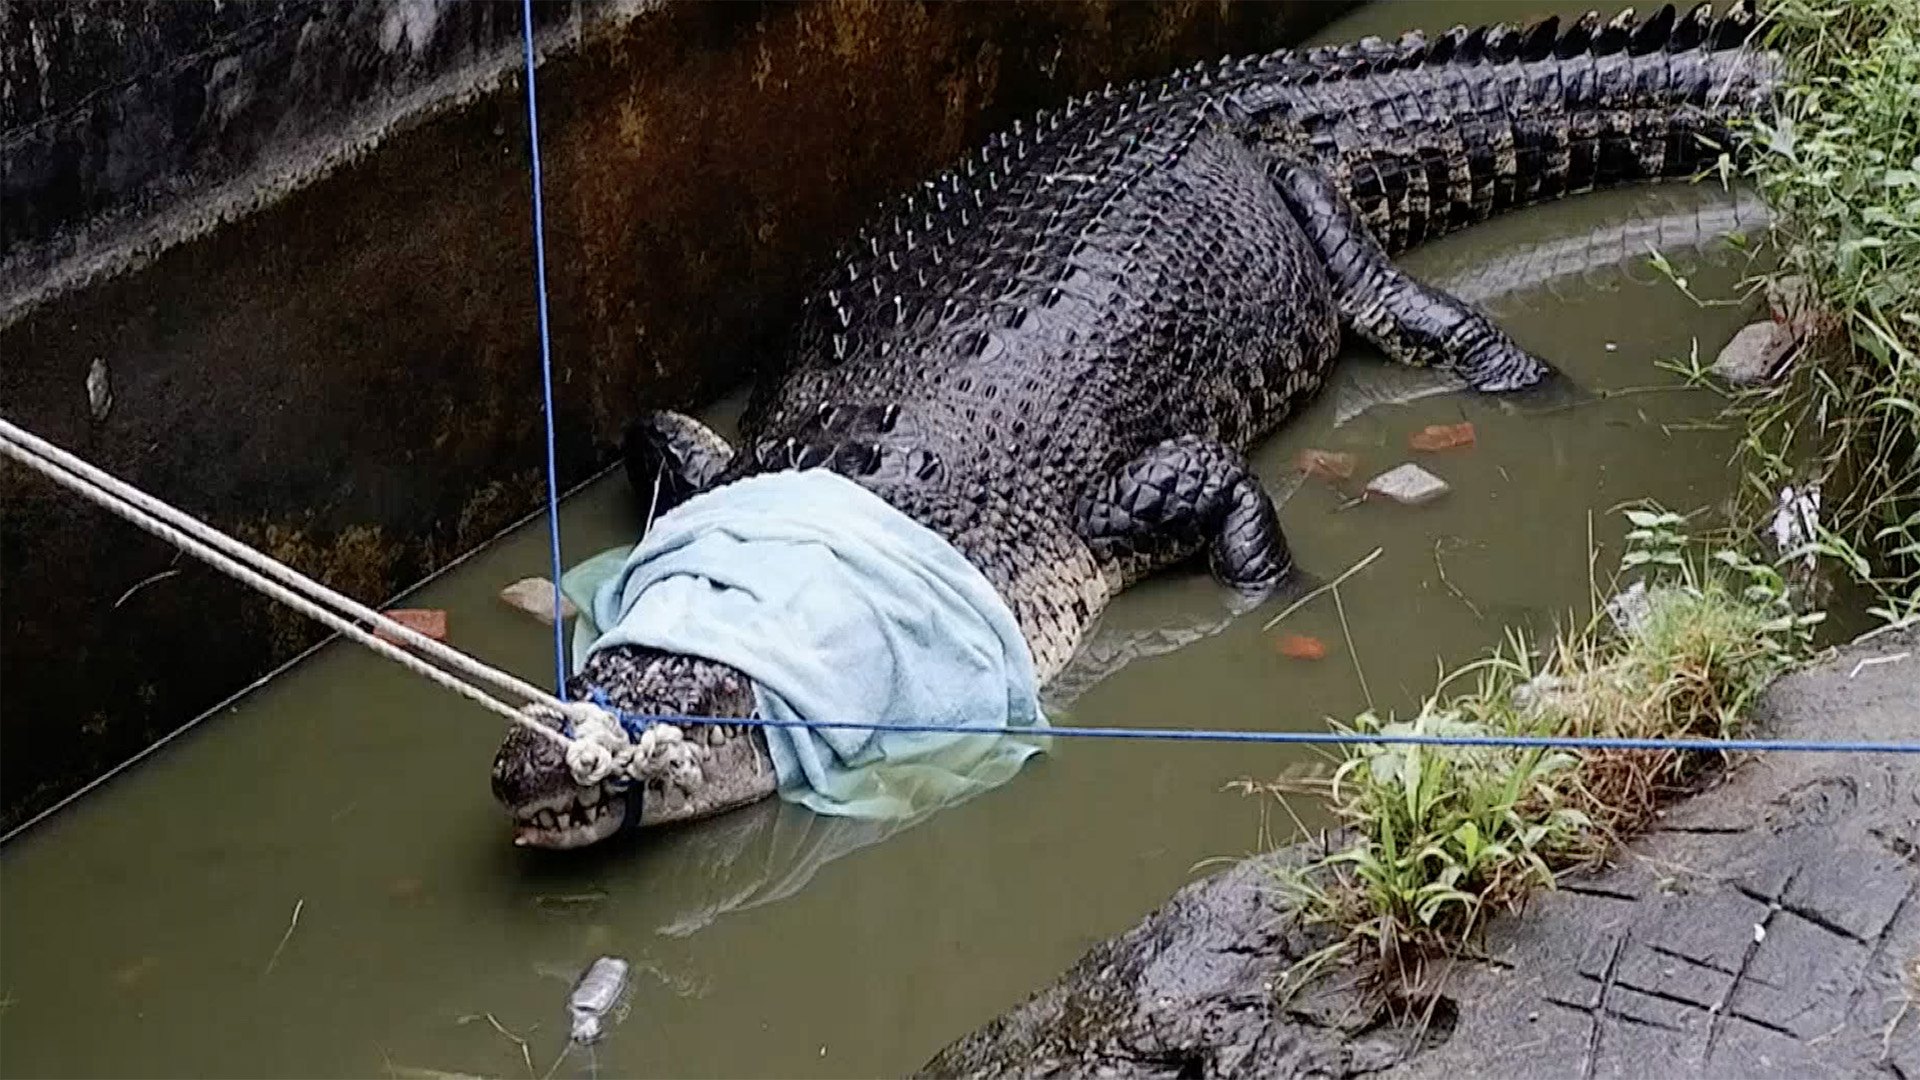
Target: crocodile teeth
pixel 572 823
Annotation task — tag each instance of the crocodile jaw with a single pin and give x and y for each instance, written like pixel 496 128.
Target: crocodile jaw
pixel 549 810
pixel 738 771
pixel 569 819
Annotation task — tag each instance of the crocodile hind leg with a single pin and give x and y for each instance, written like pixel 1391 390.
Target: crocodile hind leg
pixel 1177 498
pixel 670 458
pixel 1411 322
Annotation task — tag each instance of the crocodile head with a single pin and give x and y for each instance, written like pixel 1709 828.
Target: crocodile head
pixel 550 810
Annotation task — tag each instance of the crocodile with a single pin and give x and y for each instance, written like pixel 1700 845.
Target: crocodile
pixel 1055 354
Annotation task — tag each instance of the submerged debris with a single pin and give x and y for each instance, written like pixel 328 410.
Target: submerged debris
pixel 429 621
pixel 1756 354
pixel 1301 647
pixel 417 1072
pixel 601 992
pixel 1408 485
pixel 1629 608
pixel 1796 523
pixel 1436 437
pixel 1325 464
pixel 99 390
pixel 534 596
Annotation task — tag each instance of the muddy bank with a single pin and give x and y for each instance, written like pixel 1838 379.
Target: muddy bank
pixel 1770 927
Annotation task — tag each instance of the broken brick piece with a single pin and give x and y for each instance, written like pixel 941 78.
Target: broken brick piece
pixel 534 596
pixel 1301 647
pixel 1757 354
pixel 1436 437
pixel 1408 485
pixel 429 621
pixel 1325 464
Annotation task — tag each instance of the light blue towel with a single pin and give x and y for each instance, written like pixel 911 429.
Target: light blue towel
pixel 838 607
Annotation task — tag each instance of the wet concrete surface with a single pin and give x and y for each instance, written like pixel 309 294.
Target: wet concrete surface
pixel 1769 927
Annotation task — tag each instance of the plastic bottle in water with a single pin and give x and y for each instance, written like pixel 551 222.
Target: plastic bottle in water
pixel 598 994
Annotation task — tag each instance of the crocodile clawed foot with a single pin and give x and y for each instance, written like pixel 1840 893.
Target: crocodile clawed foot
pixel 670 458
pixel 1297 586
pixel 1556 392
pixel 1242 597
pixel 1491 362
pixel 1494 364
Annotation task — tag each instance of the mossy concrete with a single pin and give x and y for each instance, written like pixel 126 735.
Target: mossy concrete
pixel 346 373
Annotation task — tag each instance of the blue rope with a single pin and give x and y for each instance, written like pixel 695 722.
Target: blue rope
pixel 546 352
pixel 634 724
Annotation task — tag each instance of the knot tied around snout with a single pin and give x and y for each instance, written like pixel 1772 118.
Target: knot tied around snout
pixel 599 749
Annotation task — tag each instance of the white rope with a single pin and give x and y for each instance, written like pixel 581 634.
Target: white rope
pixel 97 481
pixel 663 752
pixel 220 561
pixel 599 749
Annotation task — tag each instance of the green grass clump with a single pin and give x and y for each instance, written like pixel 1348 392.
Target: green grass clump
pixel 1840 168
pixel 1441 838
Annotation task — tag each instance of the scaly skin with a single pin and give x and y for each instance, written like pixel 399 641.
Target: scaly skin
pixel 1055 354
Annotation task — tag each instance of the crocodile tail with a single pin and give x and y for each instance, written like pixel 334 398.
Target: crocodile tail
pixel 1430 136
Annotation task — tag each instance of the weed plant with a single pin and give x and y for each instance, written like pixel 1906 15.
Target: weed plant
pixel 1443 837
pixel 1840 167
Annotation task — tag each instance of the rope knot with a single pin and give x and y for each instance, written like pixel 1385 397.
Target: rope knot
pixel 600 748
pixel 597 748
pixel 665 753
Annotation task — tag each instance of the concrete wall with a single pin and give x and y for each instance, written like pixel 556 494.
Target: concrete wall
pixel 128 126
pixel 294 239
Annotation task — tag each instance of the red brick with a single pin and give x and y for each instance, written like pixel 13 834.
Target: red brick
pixel 429 621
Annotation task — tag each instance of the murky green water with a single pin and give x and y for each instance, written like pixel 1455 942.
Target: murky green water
pixel 150 930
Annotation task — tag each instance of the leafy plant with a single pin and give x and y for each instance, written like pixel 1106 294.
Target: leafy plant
pixel 1443 837
pixel 1840 167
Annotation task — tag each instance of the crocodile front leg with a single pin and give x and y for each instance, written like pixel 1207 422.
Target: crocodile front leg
pixel 1411 322
pixel 670 458
pixel 1178 497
